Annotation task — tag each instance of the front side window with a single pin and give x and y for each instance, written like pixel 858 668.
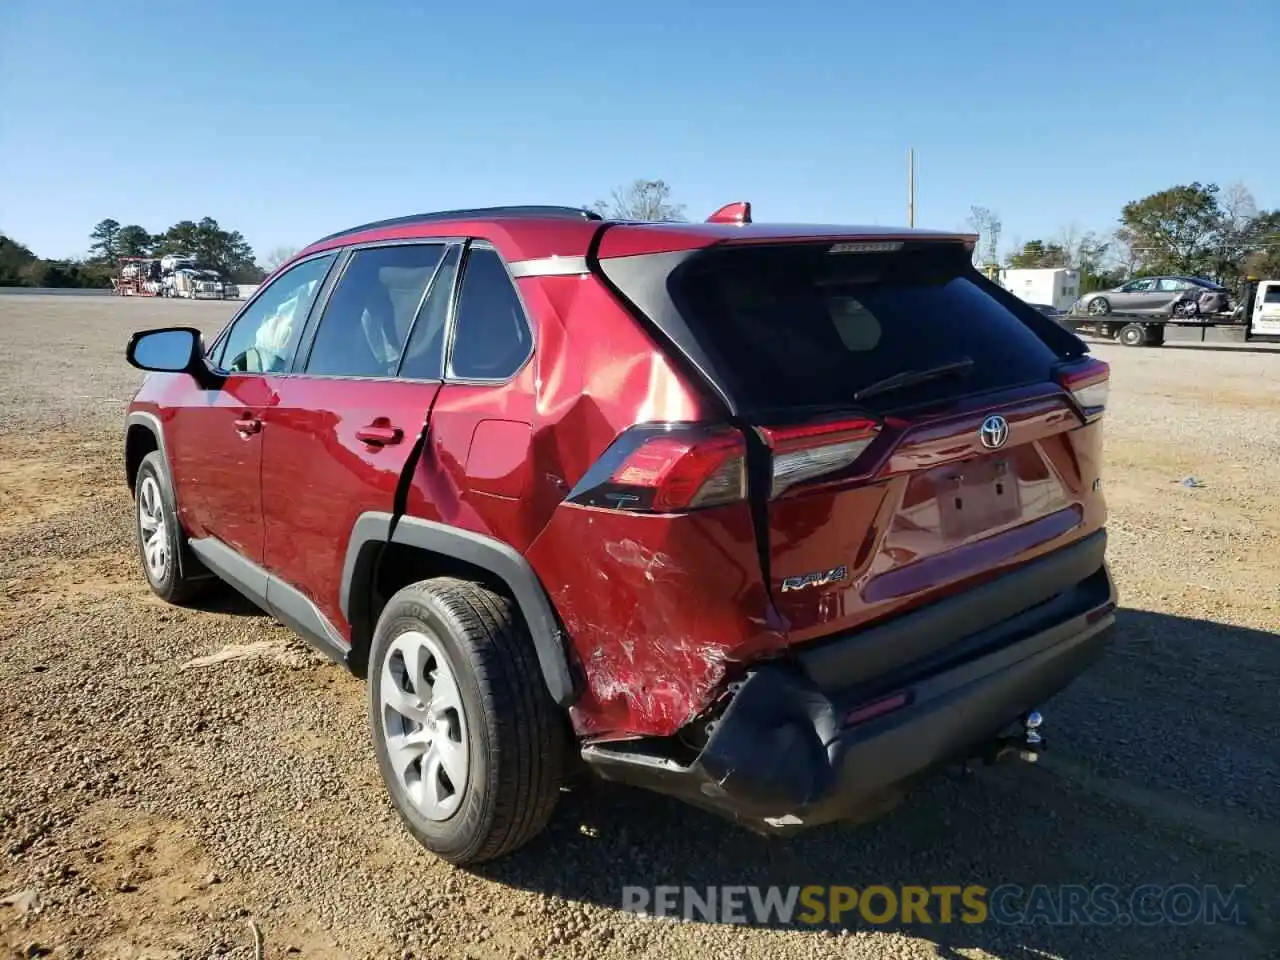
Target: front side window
pixel 1140 286
pixel 366 321
pixel 492 338
pixel 266 335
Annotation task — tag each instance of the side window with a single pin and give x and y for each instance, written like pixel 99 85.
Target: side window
pixel 424 356
pixel 1170 285
pixel 1272 295
pixel 366 321
pixel 266 335
pixel 491 338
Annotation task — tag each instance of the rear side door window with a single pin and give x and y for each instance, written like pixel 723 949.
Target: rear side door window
pixel 492 338
pixel 424 356
pixel 367 320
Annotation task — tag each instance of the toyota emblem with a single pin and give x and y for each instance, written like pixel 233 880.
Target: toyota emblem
pixel 994 432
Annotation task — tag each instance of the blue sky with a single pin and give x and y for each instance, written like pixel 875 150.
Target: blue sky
pixel 287 120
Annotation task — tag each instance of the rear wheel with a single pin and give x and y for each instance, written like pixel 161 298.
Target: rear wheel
pixel 469 743
pixel 1132 335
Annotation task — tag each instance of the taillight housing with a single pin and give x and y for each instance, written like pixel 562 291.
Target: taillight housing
pixel 804 453
pixel 1089 383
pixel 667 468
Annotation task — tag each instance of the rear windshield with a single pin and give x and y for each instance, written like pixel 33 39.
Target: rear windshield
pixel 803 326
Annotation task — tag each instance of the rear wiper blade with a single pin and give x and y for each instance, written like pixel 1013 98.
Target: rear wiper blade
pixel 909 378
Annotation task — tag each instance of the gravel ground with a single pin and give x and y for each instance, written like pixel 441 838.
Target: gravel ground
pixel 153 803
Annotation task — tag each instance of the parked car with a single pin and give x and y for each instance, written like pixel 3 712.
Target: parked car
pixel 1157 296
pixel 707 507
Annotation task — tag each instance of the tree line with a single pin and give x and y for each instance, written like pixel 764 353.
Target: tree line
pixel 226 251
pixel 1192 229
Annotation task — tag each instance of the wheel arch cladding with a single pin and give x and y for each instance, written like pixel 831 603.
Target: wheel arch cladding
pixel 142 435
pixel 375 530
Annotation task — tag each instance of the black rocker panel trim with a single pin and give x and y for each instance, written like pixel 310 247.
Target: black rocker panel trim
pixel 288 605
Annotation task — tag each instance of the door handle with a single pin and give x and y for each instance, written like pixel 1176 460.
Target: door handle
pixel 379 434
pixel 248 425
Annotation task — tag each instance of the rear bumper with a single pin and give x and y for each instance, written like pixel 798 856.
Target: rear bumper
pixel 787 752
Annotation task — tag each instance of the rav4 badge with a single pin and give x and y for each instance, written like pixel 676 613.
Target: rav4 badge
pixel 819 578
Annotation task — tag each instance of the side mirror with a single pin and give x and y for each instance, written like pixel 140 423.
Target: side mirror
pixel 171 350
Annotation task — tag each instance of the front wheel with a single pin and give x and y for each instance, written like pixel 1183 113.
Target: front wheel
pixel 1099 306
pixel 469 743
pixel 172 572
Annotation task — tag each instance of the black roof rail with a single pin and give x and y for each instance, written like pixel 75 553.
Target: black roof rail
pixel 528 211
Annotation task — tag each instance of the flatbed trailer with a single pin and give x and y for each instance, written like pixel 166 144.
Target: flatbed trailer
pixel 1255 319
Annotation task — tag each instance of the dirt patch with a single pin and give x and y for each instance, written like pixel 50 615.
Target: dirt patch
pixel 153 811
pixel 133 880
pixel 43 479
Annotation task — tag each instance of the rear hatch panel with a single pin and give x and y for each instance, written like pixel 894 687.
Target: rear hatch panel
pixel 790 335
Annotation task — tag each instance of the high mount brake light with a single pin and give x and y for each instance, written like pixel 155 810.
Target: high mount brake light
pixel 867 246
pixel 1089 383
pixel 661 468
pixel 808 452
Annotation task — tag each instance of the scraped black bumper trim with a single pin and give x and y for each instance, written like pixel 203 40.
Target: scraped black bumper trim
pixel 782 757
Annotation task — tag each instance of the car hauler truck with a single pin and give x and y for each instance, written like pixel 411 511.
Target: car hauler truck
pixel 173 275
pixel 1255 318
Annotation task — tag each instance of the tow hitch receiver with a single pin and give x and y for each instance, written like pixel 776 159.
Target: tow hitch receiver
pixel 1027 745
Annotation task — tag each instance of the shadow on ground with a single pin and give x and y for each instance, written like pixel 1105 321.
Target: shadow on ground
pixel 223 599
pixel 1160 768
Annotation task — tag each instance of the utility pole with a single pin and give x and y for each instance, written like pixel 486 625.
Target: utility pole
pixel 911 187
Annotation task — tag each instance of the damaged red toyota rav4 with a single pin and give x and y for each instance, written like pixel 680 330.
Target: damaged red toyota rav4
pixel 774 519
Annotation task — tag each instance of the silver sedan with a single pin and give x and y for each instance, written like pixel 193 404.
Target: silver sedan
pixel 1156 296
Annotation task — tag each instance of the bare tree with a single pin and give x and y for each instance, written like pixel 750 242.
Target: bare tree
pixel 1126 252
pixel 986 224
pixel 277 256
pixel 1086 250
pixel 1239 209
pixel 1237 224
pixel 641 200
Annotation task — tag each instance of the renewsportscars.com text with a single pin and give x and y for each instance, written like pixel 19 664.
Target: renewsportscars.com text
pixel 879 904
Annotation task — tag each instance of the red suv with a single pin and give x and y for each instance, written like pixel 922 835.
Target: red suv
pixel 770 518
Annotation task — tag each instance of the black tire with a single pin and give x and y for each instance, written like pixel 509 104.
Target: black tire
pixel 1099 306
pixel 517 738
pixel 184 578
pixel 1132 335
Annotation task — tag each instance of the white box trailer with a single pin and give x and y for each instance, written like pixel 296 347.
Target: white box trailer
pixel 1057 287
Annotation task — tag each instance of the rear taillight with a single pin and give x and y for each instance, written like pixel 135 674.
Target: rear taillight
pixel 806 453
pixel 1088 382
pixel 667 468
